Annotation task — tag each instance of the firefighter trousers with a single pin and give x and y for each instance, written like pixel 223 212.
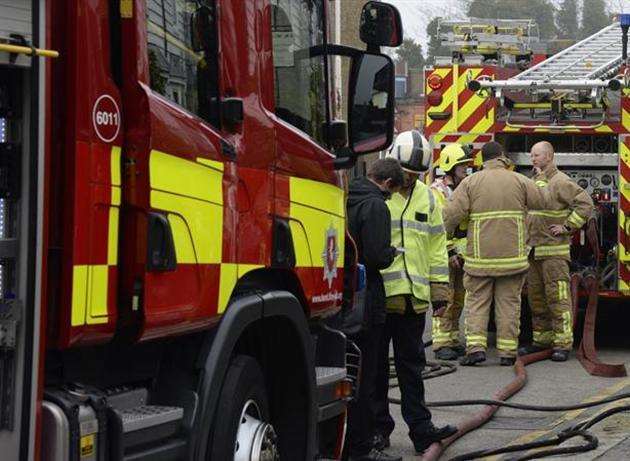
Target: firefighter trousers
pixel 445 329
pixel 549 296
pixel 481 292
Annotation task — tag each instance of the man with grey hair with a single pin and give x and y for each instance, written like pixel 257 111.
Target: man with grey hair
pixel 567 208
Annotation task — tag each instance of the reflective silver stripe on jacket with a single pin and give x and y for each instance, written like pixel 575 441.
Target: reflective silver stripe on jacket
pixel 402 275
pixel 439 270
pixel 423 226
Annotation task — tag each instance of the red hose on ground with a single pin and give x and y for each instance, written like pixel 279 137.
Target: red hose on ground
pixel 586 353
pixel 484 415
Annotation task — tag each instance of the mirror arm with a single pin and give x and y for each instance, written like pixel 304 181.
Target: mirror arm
pixel 345 159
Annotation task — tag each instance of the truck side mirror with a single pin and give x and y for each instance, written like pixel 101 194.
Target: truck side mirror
pixel 380 25
pixel 371 104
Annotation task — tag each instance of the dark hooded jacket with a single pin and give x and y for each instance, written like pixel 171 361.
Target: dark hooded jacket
pixel 369 223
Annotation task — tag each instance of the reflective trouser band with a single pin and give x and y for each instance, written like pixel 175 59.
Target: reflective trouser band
pixel 567 328
pixel 552 250
pixel 550 213
pixel 507 344
pixel 563 290
pixel 576 220
pixel 476 340
pixel 543 338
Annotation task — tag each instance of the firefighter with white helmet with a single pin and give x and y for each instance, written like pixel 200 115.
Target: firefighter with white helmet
pixel 454 164
pixel 417 278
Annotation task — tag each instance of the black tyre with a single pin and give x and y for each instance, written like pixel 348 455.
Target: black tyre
pixel 242 428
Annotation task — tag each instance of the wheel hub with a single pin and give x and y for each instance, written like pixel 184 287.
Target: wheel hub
pixel 255 439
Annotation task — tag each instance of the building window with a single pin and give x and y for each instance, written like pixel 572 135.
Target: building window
pixel 187 76
pixel 300 79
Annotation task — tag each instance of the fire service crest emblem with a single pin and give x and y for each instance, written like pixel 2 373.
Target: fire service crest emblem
pixel 330 255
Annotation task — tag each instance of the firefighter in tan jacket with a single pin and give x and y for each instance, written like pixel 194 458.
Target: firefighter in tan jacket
pixel 567 207
pixel 495 200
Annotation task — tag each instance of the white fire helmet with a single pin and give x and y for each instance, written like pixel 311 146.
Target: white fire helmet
pixel 412 150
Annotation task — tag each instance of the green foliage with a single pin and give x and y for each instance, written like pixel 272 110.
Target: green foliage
pixel 156 76
pixel 594 17
pixel 435 47
pixel 542 11
pixel 567 20
pixel 411 52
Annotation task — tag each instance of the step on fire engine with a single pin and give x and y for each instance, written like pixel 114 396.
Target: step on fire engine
pixel 497 85
pixel 173 246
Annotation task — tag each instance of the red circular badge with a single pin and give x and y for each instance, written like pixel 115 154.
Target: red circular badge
pixel 106 118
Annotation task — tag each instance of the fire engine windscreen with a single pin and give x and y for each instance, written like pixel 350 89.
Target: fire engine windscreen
pixel 300 80
pixel 183 54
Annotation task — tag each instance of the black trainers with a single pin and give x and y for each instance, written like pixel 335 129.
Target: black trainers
pixel 530 349
pixel 472 359
pixel 446 353
pixel 380 442
pixel 560 355
pixel 507 361
pixel 434 434
pixel 375 455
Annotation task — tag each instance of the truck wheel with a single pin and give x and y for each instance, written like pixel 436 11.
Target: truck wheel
pixel 242 426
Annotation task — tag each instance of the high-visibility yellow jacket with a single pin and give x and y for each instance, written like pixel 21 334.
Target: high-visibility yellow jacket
pixel 495 200
pixel 566 204
pixel 456 243
pixel 422 270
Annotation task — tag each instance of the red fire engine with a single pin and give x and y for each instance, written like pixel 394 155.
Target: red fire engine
pixel 497 85
pixel 172 226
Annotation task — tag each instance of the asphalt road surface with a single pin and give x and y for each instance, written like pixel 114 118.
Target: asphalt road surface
pixel 548 383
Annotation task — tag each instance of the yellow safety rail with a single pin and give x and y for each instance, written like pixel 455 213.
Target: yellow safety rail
pixel 18 49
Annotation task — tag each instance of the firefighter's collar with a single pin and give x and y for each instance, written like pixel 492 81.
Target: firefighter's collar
pixel 550 170
pixel 500 162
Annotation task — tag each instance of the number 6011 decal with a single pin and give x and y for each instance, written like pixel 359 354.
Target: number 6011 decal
pixel 106 118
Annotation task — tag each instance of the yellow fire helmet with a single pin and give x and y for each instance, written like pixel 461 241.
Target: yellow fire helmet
pixel 412 150
pixel 451 155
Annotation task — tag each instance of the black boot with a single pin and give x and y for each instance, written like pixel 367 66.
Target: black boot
pixel 381 442
pixel 461 350
pixel 507 361
pixel 446 353
pixel 472 359
pixel 375 455
pixel 434 434
pixel 530 349
pixel 560 355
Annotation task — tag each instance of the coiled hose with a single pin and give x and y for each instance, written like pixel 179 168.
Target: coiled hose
pixel 491 406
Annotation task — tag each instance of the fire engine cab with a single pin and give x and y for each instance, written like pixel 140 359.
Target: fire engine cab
pixel 173 245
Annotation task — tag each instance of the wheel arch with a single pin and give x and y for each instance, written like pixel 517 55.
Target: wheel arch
pixel 260 311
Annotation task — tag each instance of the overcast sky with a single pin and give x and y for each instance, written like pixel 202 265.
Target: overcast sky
pixel 416 14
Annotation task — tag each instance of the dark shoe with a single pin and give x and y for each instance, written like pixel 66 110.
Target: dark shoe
pixel 380 442
pixel 375 455
pixel 507 361
pixel 530 349
pixel 560 355
pixel 472 359
pixel 461 350
pixel 435 434
pixel 446 353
